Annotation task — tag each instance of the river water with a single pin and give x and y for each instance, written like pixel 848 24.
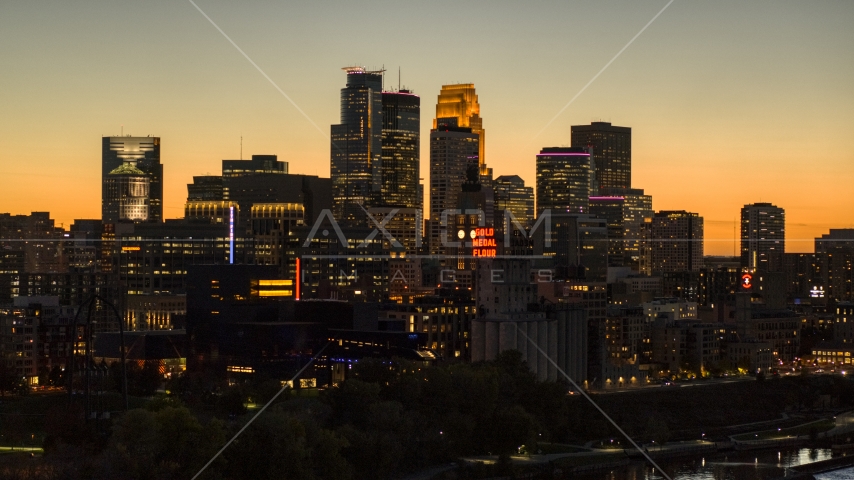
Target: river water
pixel 757 465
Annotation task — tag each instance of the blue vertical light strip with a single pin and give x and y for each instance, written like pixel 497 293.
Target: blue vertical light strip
pixel 231 235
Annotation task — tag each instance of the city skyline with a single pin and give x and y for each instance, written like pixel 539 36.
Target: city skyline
pixel 735 128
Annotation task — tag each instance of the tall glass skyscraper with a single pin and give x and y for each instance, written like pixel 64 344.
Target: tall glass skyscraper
pixel 612 153
pixel 564 180
pixel 452 150
pixel 356 150
pixel 400 149
pixel 460 101
pixel 142 153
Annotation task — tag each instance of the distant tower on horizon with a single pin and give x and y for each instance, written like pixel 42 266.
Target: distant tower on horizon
pixel 356 144
pixel 143 153
pixel 763 237
pixel 611 149
pixel 460 101
pixel 401 142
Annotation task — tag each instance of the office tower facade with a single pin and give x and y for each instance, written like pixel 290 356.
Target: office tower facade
pixel 577 245
pixel 611 210
pixel 205 187
pixel 452 150
pixel 356 150
pixel 271 227
pixel 142 153
pixel 637 208
pixel 256 164
pixel 564 180
pixel 611 149
pixel 674 243
pixel 513 196
pixel 834 262
pixel 459 101
pixel 127 198
pixel 400 149
pixel 763 237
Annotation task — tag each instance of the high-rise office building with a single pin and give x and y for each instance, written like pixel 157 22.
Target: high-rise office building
pixel 564 180
pixel 637 208
pixel 611 149
pixel 400 149
pixel 127 195
pixel 763 237
pixel 452 150
pixel 512 195
pixel 674 243
pixel 142 153
pixel 356 144
pixel 460 101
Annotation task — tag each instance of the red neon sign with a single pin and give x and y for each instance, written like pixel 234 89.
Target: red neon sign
pixel 483 243
pixel 747 281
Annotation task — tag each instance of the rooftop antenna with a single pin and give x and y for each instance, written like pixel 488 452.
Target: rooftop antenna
pixel 398 78
pixel 123 130
pixel 241 147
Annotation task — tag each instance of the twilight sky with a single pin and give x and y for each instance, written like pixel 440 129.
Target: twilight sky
pixel 730 102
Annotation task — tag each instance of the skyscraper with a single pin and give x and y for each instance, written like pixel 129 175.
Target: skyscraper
pixel 452 150
pixel 142 153
pixel 564 180
pixel 400 149
pixel 611 149
pixel 637 208
pixel 127 195
pixel 763 237
pixel 674 243
pixel 356 144
pixel 460 101
pixel 512 195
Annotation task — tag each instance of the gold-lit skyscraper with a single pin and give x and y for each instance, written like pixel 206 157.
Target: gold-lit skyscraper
pixel 460 101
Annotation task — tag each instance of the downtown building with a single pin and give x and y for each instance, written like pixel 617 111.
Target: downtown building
pixel 459 101
pixel 611 153
pixel 673 249
pixel 453 150
pixel 637 209
pixel 564 180
pixel 511 195
pixel 401 150
pixel 142 153
pixel 834 266
pixel 356 145
pixel 763 237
